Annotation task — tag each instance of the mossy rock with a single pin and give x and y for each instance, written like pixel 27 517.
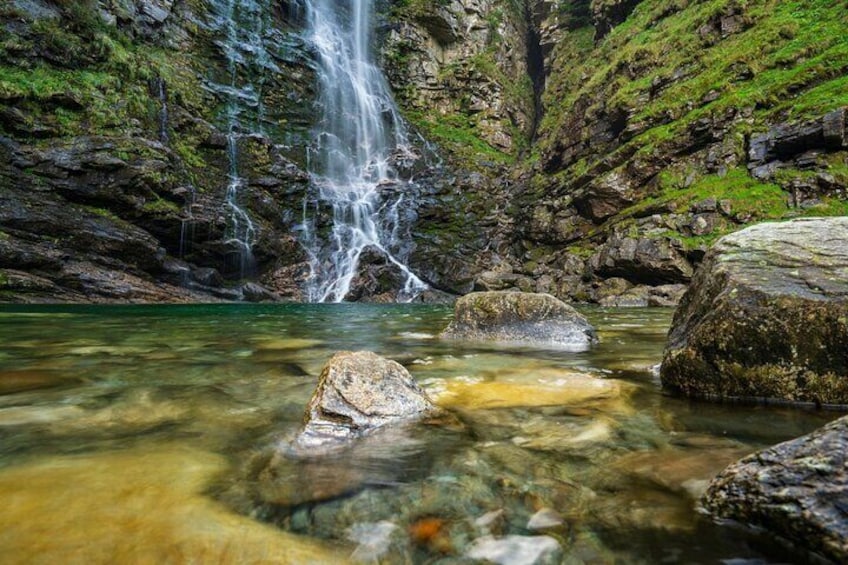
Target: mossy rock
pixel 766 317
pixel 521 318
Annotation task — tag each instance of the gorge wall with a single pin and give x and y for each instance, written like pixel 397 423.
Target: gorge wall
pixel 125 124
pixel 658 126
pixel 591 149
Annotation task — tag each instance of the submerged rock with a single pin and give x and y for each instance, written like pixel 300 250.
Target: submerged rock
pixel 357 393
pixel 520 318
pixel 84 509
pixel 287 478
pixel 568 390
pixel 797 490
pixel 515 550
pixel 766 317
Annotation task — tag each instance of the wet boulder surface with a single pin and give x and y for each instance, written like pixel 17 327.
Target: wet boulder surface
pixel 766 317
pixel 797 490
pixel 520 318
pixel 359 392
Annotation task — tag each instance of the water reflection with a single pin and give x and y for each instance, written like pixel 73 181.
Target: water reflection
pixel 99 401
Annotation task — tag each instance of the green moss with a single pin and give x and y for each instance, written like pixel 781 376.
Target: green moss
pixel 458 134
pixel 103 213
pixel 580 251
pixel 787 60
pixel 161 207
pixel 43 82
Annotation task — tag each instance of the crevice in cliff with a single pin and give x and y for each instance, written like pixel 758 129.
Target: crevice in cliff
pixel 535 62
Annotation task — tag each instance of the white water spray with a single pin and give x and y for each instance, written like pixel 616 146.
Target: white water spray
pixel 359 134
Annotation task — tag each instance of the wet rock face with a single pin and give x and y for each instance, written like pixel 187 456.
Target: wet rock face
pixel 766 317
pixel 521 318
pixel 359 392
pixel 796 490
pixel 117 193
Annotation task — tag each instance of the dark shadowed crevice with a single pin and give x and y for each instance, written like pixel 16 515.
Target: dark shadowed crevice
pixel 535 63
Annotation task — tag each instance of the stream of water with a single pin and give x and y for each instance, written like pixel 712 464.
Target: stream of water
pixel 147 433
pixel 358 135
pixel 241 26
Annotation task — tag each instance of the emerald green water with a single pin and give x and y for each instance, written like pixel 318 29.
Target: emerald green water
pixel 139 388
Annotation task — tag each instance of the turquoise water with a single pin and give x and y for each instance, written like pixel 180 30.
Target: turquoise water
pixel 615 468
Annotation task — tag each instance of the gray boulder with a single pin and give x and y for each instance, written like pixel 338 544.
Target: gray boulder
pixel 520 318
pixel 357 393
pixel 797 490
pixel 766 317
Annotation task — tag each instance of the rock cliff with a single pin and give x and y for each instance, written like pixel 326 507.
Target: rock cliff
pixel 591 149
pixel 117 148
pixel 658 127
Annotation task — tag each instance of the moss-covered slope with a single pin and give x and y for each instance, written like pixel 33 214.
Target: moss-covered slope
pixel 667 123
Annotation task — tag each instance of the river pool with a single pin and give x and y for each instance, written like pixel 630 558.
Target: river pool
pixel 148 434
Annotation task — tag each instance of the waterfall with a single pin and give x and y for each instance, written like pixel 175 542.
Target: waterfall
pixel 359 134
pixel 241 27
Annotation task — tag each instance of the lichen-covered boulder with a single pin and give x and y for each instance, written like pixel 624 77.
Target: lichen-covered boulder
pixel 766 317
pixel 797 490
pixel 520 318
pixel 357 393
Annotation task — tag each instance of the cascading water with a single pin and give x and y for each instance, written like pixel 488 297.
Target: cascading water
pixel 358 136
pixel 241 24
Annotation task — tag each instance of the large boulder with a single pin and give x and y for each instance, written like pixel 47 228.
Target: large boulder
pixel 766 317
pixel 797 490
pixel 359 392
pixel 521 318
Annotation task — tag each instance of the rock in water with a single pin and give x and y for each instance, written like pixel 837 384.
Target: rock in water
pixel 797 490
pixel 359 392
pixel 766 317
pixel 521 318
pixel 516 550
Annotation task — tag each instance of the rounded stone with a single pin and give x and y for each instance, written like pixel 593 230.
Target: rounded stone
pixel 358 392
pixel 520 318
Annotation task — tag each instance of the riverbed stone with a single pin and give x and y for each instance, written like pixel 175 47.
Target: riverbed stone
pixel 86 509
pixel 570 390
pixel 359 392
pixel 797 490
pixel 766 317
pixel 521 318
pixel 516 550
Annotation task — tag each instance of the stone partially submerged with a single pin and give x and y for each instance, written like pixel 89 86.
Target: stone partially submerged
pixel 359 392
pixel 520 318
pixel 766 317
pixel 797 490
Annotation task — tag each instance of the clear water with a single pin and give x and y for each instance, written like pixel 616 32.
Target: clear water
pixel 128 434
pixel 359 135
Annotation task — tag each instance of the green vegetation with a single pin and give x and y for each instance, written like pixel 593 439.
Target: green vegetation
pixel 671 59
pixel 676 63
pixel 76 74
pixel 161 207
pixel 103 213
pixel 747 199
pixel 458 134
